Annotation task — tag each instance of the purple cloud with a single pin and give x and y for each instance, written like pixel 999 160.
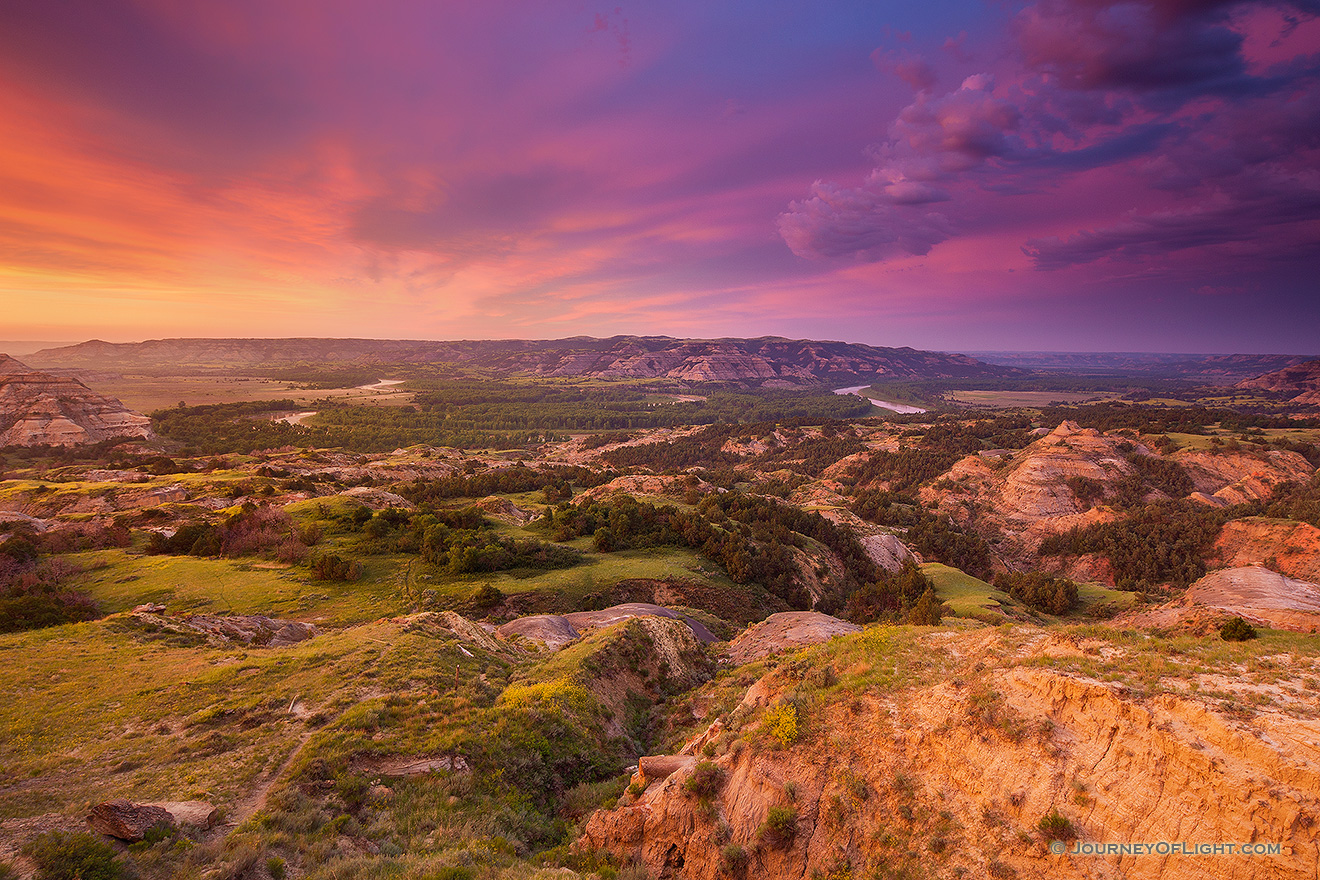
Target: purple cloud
pixel 910 68
pixel 1141 46
pixel 1157 95
pixel 863 223
pixel 932 140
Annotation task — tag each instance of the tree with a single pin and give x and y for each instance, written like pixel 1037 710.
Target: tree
pixel 928 611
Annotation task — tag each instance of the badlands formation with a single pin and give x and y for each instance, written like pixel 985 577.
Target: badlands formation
pixel 1028 494
pixel 39 408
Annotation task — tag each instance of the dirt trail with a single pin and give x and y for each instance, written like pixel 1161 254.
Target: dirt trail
pixel 255 799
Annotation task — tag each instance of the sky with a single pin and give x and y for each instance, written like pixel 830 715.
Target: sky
pixel 951 174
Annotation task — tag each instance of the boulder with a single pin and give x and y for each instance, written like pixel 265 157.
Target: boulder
pixel 128 821
pixel 656 767
pixel 291 633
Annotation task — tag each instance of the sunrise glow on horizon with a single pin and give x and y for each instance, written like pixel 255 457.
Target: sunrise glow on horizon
pixel 1057 174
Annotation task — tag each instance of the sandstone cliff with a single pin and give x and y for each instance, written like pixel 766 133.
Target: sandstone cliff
pixel 1292 548
pixel 1261 596
pixel 40 409
pixel 952 778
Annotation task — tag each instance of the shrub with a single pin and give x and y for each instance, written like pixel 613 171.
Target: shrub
pixel 60 856
pixel 734 857
pixel 1183 531
pixel 890 595
pixel 1087 490
pixel 781 722
pixel 331 567
pixel 779 827
pixel 1055 826
pixel 1237 630
pixel 705 780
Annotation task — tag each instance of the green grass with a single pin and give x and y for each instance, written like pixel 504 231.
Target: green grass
pixel 148 393
pixel 99 711
pixel 600 570
pixel 967 596
pixel 322 509
pixel 391 583
pixel 1192 441
pixel 1150 664
pixel 119 580
pixel 1011 399
pixel 1092 595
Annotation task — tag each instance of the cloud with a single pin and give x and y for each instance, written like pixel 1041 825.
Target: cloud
pixel 932 140
pixel 480 212
pixel 1154 95
pixel 1266 218
pixel 911 69
pixel 957 132
pixel 864 224
pixel 1142 45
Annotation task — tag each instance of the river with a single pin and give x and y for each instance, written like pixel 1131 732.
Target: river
pixel 896 407
pixel 381 385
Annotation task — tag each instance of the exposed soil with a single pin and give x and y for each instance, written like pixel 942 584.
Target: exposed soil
pixel 788 629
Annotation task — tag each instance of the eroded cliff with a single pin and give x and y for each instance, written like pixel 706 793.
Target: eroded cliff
pixel 1000 742
pixel 42 409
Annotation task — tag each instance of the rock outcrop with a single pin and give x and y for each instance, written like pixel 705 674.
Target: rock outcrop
pixel 784 631
pixel 882 546
pixel 1254 593
pixel 377 499
pixel 1069 477
pixel 505 510
pixel 254 630
pixel 408 766
pixel 653 485
pixel 127 821
pixel 1292 548
pixel 1225 478
pixel 201 815
pixel 554 631
pixel 42 409
pixel 1028 496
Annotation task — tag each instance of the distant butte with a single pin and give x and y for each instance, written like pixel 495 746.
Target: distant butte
pixel 41 409
pixel 767 361
pixel 1300 380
